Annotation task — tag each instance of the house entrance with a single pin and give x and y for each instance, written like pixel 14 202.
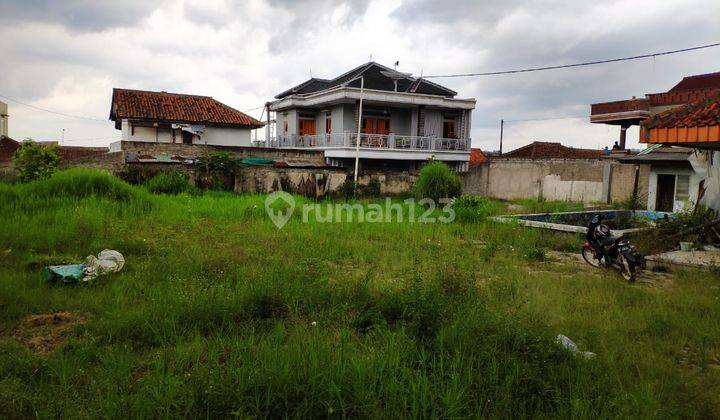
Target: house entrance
pixel 665 193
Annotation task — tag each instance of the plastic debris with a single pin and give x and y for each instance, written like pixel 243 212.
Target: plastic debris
pixel 569 345
pixel 71 273
pixel 107 261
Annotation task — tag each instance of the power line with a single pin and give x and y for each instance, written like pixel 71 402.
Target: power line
pixel 563 66
pixel 550 118
pixel 51 111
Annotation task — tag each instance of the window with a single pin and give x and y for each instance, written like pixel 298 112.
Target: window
pixel 449 131
pixel 328 123
pixel 376 126
pixel 682 188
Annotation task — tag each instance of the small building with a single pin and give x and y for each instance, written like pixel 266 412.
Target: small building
pixel 405 120
pixel 162 117
pixel 629 112
pixel 695 125
pixel 8 147
pixel 673 184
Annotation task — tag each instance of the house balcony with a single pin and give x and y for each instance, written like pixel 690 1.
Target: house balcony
pixel 339 146
pixel 629 112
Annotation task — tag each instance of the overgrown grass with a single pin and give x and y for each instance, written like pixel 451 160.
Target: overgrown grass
pixel 219 313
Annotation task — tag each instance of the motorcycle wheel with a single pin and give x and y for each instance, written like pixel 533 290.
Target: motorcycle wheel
pixel 628 270
pixel 591 258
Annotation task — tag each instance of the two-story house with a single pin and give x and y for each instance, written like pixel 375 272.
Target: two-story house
pixel 404 120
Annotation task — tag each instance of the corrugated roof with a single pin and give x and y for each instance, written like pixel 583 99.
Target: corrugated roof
pixel 176 107
pixel 8 147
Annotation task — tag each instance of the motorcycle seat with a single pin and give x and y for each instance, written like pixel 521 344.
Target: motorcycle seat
pixel 610 240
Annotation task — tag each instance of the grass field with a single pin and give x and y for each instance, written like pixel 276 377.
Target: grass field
pixel 219 313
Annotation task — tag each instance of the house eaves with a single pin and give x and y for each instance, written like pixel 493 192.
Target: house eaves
pixel 344 94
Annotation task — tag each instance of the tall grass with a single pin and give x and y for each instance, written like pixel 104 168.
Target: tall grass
pixel 219 313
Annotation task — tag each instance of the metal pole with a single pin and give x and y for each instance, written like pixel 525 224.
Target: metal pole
pixel 502 123
pixel 357 140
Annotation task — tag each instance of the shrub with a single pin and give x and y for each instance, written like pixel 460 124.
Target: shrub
pixel 174 182
pixel 34 161
pixel 437 181
pixel 373 188
pixel 348 188
pixel 472 209
pixel 218 170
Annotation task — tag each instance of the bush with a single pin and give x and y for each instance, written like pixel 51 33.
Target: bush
pixel 472 209
pixel 174 182
pixel 217 171
pixel 347 189
pixel 436 181
pixel 34 161
pixel 373 188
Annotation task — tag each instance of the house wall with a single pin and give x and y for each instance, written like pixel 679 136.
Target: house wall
pixel 677 205
pixel 216 136
pixel 585 180
pixel 224 136
pixel 349 118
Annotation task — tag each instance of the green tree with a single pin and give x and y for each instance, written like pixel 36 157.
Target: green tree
pixel 35 161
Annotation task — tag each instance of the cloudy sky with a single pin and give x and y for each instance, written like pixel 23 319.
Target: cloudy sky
pixel 66 56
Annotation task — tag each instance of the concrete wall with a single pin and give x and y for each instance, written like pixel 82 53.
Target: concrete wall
pixel 195 150
pixel 313 182
pixel 4 119
pixel 586 180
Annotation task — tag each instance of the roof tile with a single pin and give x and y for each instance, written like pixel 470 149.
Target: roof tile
pixel 175 107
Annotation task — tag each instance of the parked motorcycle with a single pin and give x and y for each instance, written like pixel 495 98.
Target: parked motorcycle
pixel 603 250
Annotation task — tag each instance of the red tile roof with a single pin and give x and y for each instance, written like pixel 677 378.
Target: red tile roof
pixel 477 157
pixel 698 82
pixel 176 107
pixel 701 113
pixel 546 150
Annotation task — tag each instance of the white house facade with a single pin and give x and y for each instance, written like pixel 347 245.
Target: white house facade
pixel 161 117
pixel 405 121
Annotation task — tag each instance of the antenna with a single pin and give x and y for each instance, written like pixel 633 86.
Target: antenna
pixel 397 63
pixel 311 72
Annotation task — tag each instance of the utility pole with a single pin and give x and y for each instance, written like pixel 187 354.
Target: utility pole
pixel 502 123
pixel 357 140
pixel 62 137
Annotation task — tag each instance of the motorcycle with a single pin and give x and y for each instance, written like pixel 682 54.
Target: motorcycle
pixel 603 250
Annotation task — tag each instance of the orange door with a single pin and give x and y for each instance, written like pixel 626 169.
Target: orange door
pixel 306 127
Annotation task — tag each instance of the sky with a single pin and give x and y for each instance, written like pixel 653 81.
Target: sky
pixel 66 56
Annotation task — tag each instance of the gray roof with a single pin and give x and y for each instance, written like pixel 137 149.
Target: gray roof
pixel 660 153
pixel 376 77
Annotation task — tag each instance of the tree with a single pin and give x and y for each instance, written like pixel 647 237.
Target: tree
pixel 35 161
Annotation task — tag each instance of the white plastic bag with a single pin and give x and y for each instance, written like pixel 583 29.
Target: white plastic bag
pixel 568 344
pixel 107 261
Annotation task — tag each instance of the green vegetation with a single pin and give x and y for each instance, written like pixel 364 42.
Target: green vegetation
pixel 219 313
pixel 34 161
pixel 437 181
pixel 174 182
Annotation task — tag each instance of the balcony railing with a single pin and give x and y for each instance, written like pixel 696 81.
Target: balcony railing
pixel 369 141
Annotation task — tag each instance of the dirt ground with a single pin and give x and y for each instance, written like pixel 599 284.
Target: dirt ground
pixel 43 333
